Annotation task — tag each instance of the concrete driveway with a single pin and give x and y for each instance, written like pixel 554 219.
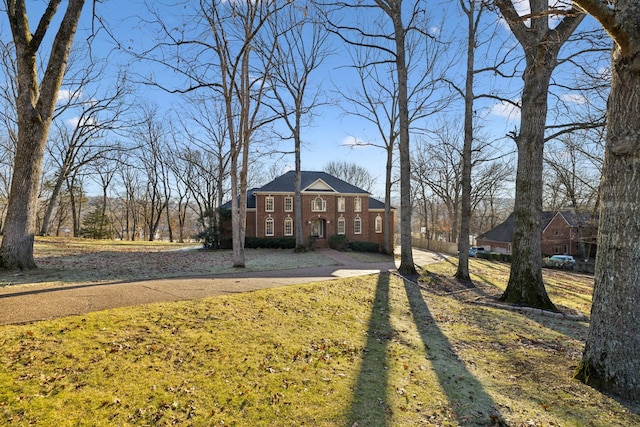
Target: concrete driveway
pixel 28 303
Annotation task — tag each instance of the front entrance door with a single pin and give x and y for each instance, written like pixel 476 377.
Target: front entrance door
pixel 318 228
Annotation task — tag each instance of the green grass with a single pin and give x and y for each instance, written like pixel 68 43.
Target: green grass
pixel 367 351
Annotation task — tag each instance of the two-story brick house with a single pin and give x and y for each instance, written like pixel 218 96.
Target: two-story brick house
pixel 329 206
pixel 563 232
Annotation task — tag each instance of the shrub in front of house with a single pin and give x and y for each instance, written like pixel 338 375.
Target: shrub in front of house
pixel 270 242
pixel 364 247
pixel 505 258
pixel 339 242
pixel 210 238
pixel 493 256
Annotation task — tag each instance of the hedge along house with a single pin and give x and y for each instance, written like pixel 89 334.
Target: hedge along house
pixel 329 206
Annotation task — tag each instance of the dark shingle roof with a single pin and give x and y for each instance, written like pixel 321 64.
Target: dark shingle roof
pixel 574 219
pixel 251 201
pixel 504 232
pixel 286 183
pixel 500 233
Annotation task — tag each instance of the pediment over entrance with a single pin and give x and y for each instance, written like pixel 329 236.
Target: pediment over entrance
pixel 319 185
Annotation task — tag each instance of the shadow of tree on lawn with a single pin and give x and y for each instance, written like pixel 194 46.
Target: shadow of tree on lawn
pixel 469 402
pixel 370 394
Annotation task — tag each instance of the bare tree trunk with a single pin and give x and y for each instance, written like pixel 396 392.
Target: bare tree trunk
pixel 297 202
pixel 611 359
pixel 46 220
pixel 34 106
pixel 525 281
pixel 541 46
pixel 388 226
pixel 465 215
pixel 407 266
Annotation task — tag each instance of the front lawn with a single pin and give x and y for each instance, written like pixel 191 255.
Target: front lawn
pixel 367 351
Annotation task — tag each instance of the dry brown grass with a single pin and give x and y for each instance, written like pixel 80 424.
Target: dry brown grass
pixel 71 261
pixel 367 351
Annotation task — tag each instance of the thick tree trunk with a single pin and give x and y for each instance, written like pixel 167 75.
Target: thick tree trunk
pixel 611 359
pixel 34 108
pixel 20 226
pixel 525 281
pixel 541 45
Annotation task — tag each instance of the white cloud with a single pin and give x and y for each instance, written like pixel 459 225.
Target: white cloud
pixel 75 121
pixel 505 109
pixel 65 95
pixel 352 141
pixel 574 98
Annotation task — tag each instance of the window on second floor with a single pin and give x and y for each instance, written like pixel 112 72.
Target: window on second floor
pixel 288 226
pixel 268 204
pixel 378 224
pixel 357 225
pixel 269 226
pixel 357 204
pixel 341 204
pixel 341 225
pixel 318 205
pixel 288 204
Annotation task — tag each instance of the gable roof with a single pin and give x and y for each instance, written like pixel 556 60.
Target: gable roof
pixel 311 181
pixel 574 218
pixel 317 182
pixel 504 232
pixel 500 233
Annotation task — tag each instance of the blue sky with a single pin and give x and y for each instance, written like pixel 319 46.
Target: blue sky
pixel 332 134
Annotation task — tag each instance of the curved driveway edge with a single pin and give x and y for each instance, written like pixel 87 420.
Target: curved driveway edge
pixel 22 304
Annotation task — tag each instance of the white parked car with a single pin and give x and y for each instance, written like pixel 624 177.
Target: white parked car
pixel 562 261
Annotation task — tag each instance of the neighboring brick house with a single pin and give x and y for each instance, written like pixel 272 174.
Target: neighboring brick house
pixel 560 234
pixel 329 206
pixel 569 234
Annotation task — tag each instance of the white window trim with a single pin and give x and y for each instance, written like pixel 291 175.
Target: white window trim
pixel 341 204
pixel 267 221
pixel 357 229
pixel 357 204
pixel 378 224
pixel 323 208
pixel 288 199
pixel 342 222
pixel 268 199
pixel 288 220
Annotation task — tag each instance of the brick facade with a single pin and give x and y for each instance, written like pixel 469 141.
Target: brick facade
pixel 328 218
pixel 322 210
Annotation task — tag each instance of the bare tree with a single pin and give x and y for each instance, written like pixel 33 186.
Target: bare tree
pixel 375 99
pixel 235 27
pixel 151 153
pixel 351 173
pixel 473 12
pixel 299 51
pixel 82 143
pixel 493 202
pixel 438 166
pixel 611 360
pixel 103 171
pixel 395 44
pixel 541 45
pixel 206 157
pixel 35 103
